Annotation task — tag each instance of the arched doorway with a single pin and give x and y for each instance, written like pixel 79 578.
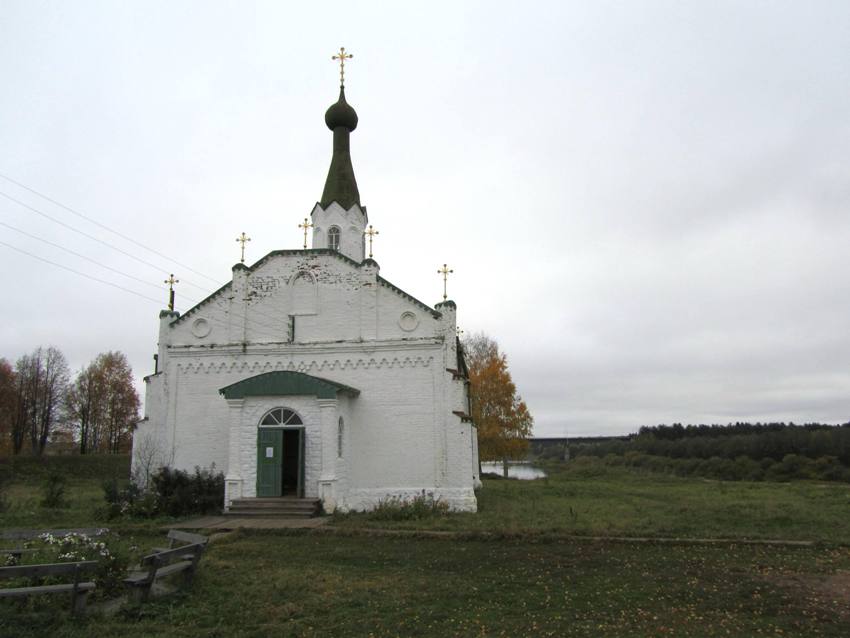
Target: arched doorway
pixel 280 454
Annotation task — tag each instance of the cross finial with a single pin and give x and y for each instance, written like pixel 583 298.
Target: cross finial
pixel 370 232
pixel 445 271
pixel 305 226
pixel 171 281
pixel 243 238
pixel 342 56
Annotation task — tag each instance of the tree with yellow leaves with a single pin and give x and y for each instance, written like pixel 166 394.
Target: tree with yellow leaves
pixel 503 420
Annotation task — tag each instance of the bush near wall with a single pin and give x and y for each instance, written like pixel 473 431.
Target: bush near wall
pixel 171 492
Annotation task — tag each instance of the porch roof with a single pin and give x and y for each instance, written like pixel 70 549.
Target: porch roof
pixel 285 383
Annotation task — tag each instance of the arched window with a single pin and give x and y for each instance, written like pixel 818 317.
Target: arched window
pixel 281 416
pixel 333 237
pixel 304 294
pixel 339 434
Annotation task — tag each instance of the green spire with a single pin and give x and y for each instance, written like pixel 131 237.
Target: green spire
pixel 341 186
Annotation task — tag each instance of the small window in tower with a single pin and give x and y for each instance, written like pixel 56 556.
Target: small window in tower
pixel 333 238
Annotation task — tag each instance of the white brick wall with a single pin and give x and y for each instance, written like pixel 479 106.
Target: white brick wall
pixel 401 436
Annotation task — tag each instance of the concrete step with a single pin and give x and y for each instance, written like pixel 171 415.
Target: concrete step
pixel 270 506
pixel 282 507
pixel 277 503
pixel 268 514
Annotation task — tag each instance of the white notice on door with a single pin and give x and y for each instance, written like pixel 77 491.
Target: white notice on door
pixel 269 452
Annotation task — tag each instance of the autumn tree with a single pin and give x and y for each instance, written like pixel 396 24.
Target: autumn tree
pixel 103 405
pixel 503 420
pixel 41 379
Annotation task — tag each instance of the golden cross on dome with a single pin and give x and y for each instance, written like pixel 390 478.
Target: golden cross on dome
pixel 305 226
pixel 171 281
pixel 243 238
pixel 371 232
pixel 445 271
pixel 342 56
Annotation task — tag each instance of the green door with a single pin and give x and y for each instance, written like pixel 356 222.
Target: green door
pixel 269 462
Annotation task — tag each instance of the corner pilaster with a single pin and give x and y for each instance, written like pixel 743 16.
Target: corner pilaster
pixel 238 308
pixel 369 272
pixel 233 480
pixel 328 409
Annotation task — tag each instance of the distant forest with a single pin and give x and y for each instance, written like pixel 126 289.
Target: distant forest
pixel 739 451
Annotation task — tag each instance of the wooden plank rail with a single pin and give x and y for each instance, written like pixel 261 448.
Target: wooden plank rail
pixel 29 534
pixel 166 561
pixel 78 590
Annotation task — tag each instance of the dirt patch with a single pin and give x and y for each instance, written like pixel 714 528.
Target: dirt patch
pixel 827 594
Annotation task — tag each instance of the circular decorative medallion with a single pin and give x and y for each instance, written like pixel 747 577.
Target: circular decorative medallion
pixel 201 327
pixel 408 321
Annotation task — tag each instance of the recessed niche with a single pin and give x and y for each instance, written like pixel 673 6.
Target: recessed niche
pixel 201 327
pixel 408 321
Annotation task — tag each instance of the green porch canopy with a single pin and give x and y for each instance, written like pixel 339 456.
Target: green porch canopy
pixel 285 383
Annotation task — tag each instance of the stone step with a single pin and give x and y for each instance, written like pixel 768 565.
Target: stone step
pixel 276 499
pixel 271 506
pixel 268 514
pixel 279 507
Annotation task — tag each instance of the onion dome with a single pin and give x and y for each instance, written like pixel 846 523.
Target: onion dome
pixel 341 185
pixel 341 114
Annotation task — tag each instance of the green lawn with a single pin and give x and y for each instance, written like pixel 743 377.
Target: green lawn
pixel 589 498
pixel 532 580
pixel 264 584
pixel 584 498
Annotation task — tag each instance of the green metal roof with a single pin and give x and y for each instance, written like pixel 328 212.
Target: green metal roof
pixel 285 383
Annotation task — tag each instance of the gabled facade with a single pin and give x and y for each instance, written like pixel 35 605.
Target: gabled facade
pixel 309 374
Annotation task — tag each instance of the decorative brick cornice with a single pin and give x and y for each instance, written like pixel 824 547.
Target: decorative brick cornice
pixel 307 367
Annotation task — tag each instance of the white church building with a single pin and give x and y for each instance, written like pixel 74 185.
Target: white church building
pixel 309 375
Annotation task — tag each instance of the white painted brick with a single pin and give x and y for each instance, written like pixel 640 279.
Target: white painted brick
pixel 401 436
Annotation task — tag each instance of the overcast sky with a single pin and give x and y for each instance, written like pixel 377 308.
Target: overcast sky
pixel 646 203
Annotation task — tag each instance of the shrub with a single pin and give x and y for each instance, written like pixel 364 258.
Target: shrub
pixel 421 506
pixel 129 501
pixel 829 468
pixel 112 563
pixel 180 493
pixel 172 492
pixel 53 491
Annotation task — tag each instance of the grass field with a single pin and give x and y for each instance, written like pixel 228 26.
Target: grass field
pixel 589 498
pixel 254 584
pixel 531 581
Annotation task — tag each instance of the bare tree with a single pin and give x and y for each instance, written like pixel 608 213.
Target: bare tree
pixel 26 388
pixel 8 403
pixel 149 455
pixel 51 398
pixel 42 378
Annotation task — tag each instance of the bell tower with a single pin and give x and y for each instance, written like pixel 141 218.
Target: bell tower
pixel 338 218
